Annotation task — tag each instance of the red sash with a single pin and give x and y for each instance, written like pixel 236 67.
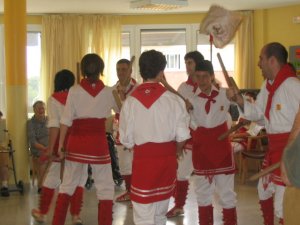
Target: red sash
pixel 192 83
pixel 132 84
pixel 87 142
pixel 61 96
pixel 210 99
pixel 277 143
pixel 92 88
pixel 285 72
pixel 154 169
pixel 148 93
pixel 210 156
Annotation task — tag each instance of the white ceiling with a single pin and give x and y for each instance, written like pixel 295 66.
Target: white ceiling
pixel 122 6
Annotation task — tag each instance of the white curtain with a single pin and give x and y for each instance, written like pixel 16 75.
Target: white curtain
pixel 244 51
pixel 2 74
pixel 67 38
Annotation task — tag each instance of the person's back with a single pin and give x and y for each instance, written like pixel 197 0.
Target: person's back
pixel 154 122
pixel 124 87
pixel 87 107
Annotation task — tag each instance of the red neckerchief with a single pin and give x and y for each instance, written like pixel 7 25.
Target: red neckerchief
pixel 61 96
pixel 148 93
pixel 192 83
pixel 92 88
pixel 210 99
pixel 132 84
pixel 284 73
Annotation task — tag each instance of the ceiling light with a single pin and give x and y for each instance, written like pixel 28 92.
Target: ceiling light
pixel 158 4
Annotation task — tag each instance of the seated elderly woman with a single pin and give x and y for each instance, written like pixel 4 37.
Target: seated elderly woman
pixel 37 134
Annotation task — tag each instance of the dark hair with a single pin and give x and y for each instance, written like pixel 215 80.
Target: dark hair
pixel 63 80
pixel 205 65
pixel 92 65
pixel 195 55
pixel 251 94
pixel 151 63
pixel 278 51
pixel 37 103
pixel 121 61
pixel 1 114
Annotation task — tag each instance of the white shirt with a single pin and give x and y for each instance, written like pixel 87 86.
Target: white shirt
pixel 82 105
pixel 166 120
pixel 186 90
pixel 285 105
pixel 217 115
pixel 55 110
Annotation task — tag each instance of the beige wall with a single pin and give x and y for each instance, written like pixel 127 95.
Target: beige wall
pixel 275 25
pixel 269 25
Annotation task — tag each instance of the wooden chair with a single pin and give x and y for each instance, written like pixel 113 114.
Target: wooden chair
pixel 256 149
pixel 34 168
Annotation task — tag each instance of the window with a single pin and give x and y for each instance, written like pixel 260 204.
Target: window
pixel 174 40
pixel 172 43
pixel 33 66
pixel 2 73
pixel 227 55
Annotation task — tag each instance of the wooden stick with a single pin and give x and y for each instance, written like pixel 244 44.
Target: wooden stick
pixel 171 89
pixel 265 171
pixel 229 80
pixel 62 168
pixel 232 129
pixel 78 72
pixel 117 99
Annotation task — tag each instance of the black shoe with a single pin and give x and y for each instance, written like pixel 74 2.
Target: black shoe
pixel 5 192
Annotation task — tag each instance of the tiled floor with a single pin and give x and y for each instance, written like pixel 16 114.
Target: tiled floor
pixel 15 210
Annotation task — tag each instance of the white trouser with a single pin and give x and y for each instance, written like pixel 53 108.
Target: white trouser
pixel 150 214
pixel 52 178
pixel 222 184
pixel 125 160
pixel 102 175
pixel 272 189
pixel 185 166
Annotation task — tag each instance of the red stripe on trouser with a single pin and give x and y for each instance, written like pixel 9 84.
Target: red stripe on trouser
pixel 229 216
pixel 181 193
pixel 267 209
pixel 76 201
pixel 105 212
pixel 45 199
pixel 127 179
pixel 61 209
pixel 206 215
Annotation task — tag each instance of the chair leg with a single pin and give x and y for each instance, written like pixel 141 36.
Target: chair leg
pixel 34 175
pixel 244 170
pixel 239 158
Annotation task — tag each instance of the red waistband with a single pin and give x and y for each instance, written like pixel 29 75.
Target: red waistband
pixel 88 125
pixel 278 141
pixel 151 149
pixel 214 130
pixel 280 136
